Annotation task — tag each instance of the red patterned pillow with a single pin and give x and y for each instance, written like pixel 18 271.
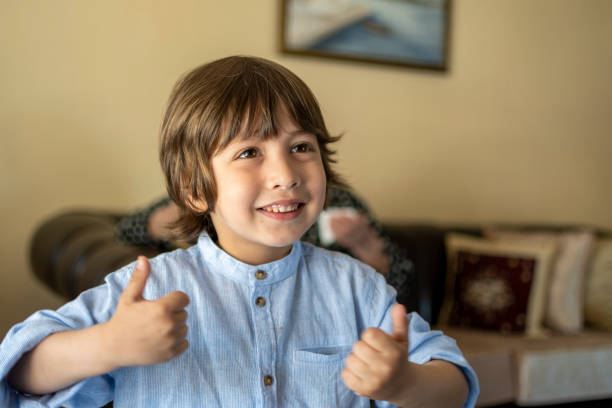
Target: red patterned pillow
pixel 496 285
pixel 565 304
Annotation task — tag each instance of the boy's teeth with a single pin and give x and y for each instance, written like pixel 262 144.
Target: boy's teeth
pixel 281 208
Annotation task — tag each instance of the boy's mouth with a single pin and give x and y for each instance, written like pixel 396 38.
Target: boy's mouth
pixel 283 210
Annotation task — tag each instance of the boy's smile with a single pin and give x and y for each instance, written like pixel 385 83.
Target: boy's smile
pixel 269 192
pixel 283 209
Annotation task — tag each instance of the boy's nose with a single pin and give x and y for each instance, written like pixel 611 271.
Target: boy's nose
pixel 282 175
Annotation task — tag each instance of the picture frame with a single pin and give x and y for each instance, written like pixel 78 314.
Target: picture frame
pixel 408 33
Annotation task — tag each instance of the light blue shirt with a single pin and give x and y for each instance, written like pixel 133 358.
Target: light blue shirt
pixel 317 303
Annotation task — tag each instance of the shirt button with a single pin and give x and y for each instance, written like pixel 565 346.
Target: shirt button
pixel 261 275
pixel 268 380
pixel 260 301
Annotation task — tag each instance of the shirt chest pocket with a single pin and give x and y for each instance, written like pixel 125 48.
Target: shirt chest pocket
pixel 317 377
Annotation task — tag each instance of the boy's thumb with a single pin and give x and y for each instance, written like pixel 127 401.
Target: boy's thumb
pixel 135 287
pixel 399 321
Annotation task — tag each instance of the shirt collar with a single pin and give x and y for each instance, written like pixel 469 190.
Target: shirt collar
pixel 219 261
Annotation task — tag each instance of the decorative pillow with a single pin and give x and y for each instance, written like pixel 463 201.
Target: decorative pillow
pixel 496 285
pixel 565 304
pixel 598 299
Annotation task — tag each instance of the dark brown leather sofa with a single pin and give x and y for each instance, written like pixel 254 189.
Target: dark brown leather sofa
pixel 74 250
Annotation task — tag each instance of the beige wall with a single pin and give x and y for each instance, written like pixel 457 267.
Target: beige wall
pixel 518 130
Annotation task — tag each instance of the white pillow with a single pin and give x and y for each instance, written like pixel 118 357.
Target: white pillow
pixel 598 298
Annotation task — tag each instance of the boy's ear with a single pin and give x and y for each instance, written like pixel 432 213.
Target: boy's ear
pixel 197 205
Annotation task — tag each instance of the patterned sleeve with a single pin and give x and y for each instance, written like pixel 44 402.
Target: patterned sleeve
pixel 132 229
pixel 401 273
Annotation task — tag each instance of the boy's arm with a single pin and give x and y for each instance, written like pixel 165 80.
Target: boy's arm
pixel 141 332
pixel 437 383
pixel 378 368
pixel 60 360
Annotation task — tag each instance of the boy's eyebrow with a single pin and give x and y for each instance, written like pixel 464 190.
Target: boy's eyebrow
pixel 245 140
pixel 299 132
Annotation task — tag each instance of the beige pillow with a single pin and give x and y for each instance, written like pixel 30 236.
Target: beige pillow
pixel 496 285
pixel 565 304
pixel 598 298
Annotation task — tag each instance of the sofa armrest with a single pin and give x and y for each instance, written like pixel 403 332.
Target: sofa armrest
pixel 74 251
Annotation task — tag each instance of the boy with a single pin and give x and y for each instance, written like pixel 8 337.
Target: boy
pixel 272 321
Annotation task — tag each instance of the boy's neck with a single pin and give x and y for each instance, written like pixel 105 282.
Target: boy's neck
pixel 256 255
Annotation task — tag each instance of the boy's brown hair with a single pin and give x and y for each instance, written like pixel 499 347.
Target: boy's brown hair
pixel 213 104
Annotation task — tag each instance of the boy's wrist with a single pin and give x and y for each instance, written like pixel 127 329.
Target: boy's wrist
pixel 436 383
pixel 408 390
pixel 109 354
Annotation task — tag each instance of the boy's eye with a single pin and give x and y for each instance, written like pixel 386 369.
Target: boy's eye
pixel 248 153
pixel 302 148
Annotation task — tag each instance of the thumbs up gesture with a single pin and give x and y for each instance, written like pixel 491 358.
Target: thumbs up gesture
pixel 143 332
pixel 378 365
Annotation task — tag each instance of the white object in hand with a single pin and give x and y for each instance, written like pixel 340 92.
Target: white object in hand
pixel 326 235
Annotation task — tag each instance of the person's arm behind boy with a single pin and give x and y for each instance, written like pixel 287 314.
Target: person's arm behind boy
pixel 141 332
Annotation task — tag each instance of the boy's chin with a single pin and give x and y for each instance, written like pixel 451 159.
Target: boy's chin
pixel 284 241
pixel 281 243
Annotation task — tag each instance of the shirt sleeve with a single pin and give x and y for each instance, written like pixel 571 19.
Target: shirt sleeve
pixel 424 344
pixel 91 307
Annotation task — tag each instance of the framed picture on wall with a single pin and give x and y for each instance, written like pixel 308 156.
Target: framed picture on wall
pixel 412 33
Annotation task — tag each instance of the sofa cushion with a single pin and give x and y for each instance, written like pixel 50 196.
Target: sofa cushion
pixel 550 369
pixel 564 375
pixel 492 362
pixel 496 285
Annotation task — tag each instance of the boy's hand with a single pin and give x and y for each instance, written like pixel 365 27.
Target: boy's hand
pixel 143 332
pixel 378 366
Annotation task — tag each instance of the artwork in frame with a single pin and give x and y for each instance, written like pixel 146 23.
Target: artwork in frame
pixel 411 33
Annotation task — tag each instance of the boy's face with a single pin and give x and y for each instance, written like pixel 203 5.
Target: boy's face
pixel 269 192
